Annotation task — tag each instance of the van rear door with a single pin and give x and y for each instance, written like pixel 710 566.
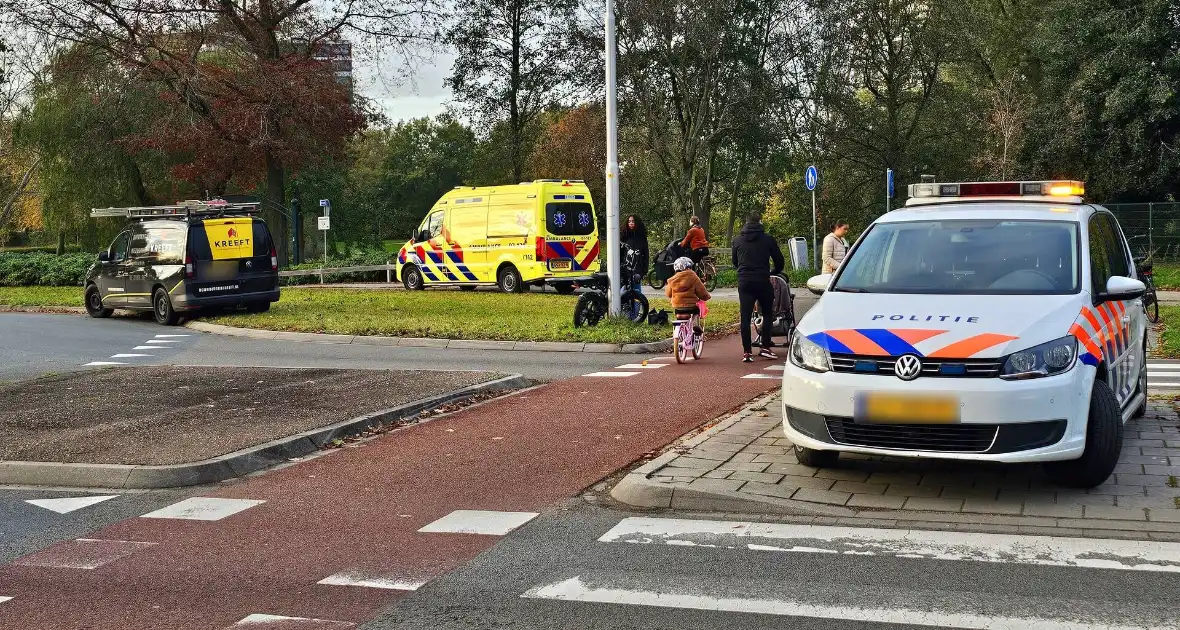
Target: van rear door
pixel 231 256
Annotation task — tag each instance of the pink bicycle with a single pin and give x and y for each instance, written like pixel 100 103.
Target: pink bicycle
pixel 687 336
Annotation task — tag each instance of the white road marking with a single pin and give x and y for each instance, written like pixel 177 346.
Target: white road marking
pixel 479 522
pixel 69 504
pixel 83 553
pixel 760 375
pixel 153 348
pixel 574 589
pixel 1163 366
pixel 611 374
pixel 103 363
pixel 4 599
pixel 1130 555
pixel 777 368
pixel 640 366
pixel 353 578
pixel 204 509
pixel 168 336
pixel 157 341
pixel 279 622
pixel 128 356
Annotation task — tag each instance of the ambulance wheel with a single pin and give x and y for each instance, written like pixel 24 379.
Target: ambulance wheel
pixel 509 280
pixel 412 278
pixel 94 306
pixel 564 288
pixel 162 308
pixel 816 458
pixel 1104 442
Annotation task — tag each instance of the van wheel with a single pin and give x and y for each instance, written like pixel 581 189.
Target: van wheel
pixel 564 288
pixel 162 308
pixel 94 306
pixel 816 458
pixel 258 307
pixel 1104 443
pixel 412 278
pixel 509 280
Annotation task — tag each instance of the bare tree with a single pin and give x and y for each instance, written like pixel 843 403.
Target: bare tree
pixel 1009 109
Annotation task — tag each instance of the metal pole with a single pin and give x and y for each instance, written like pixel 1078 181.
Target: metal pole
pixel 1150 217
pixel 612 168
pixel 325 255
pixel 814 234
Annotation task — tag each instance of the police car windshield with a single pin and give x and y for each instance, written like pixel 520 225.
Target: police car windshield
pixel 965 257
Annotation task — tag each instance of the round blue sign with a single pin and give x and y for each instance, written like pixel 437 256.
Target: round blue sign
pixel 811 177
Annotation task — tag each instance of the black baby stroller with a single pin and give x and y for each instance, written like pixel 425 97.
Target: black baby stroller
pixel 661 268
pixel 783 318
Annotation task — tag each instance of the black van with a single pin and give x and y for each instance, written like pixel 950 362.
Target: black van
pixel 174 259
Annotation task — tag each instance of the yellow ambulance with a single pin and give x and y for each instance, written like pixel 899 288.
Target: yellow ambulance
pixel 536 232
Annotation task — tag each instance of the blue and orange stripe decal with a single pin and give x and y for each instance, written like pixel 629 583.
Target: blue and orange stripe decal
pixel 895 342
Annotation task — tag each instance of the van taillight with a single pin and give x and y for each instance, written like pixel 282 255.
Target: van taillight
pixel 541 257
pixel 188 266
pixel 274 259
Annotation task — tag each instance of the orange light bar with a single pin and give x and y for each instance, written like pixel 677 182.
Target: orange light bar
pixel 1066 189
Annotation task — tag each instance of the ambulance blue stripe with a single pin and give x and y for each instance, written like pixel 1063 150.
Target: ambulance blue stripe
pixel 428 273
pixel 889 342
pixel 824 340
pixel 434 257
pixel 447 271
pixel 466 272
pixel 560 246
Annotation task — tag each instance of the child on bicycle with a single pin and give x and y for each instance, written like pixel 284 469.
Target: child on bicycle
pixel 685 289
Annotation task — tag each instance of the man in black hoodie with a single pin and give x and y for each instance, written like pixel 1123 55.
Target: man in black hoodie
pixel 752 251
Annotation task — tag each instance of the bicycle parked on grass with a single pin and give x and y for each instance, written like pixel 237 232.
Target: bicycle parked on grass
pixel 1143 267
pixel 661 269
pixel 593 305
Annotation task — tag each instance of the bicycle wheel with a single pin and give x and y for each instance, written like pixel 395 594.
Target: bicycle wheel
pixel 698 345
pixel 679 347
pixel 635 306
pixel 590 309
pixel 711 280
pixel 1152 304
pixel 654 281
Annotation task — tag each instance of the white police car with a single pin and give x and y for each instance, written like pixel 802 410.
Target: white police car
pixel 996 321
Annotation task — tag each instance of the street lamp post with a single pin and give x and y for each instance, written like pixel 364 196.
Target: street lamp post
pixel 612 168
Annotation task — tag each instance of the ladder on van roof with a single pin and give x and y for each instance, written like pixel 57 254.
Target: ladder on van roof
pixel 195 208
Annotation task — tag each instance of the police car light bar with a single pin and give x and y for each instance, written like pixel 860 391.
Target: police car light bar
pixel 1057 190
pixel 183 208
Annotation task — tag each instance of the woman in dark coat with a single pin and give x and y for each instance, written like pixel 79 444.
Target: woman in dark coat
pixel 634 235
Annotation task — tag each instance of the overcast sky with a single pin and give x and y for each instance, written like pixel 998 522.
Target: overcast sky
pixel 401 97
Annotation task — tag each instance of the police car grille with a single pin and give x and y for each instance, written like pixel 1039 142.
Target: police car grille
pixel 948 438
pixel 944 368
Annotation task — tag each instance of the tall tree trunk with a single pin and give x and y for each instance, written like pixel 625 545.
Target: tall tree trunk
pixel 733 198
pixel 705 211
pixel 275 203
pixel 516 129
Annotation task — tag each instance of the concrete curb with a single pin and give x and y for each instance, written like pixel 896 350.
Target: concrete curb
pixel 54 310
pixel 234 464
pixel 419 342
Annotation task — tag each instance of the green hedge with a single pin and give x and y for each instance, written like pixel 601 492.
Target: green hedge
pixel 41 269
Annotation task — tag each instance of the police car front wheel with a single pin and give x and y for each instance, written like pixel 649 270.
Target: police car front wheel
pixel 1104 443
pixel 162 308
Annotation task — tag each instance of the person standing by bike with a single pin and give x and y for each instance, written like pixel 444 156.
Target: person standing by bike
pixel 753 250
pixel 634 235
pixel 695 243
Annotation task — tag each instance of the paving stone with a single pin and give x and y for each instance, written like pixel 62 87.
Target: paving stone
pixel 714 456
pixel 923 504
pixel 842 474
pixel 1073 497
pixel 717 474
pixel 716 485
pixel 743 466
pixel 731 439
pixel 673 471
pixel 876 501
pixel 756 476
pixel 779 458
pixel 1167 452
pixel 988 506
pixel 1053 509
pixel 822 496
pixel 913 491
pixel 1141 480
pixel 895 478
pixel 797 470
pixel 769 489
pixel 1165 471
pixel 814 483
pixel 860 487
pixel 985 493
pixel 1113 488
pixel 1155 460
pixel 1135 469
pixel 1039 496
pixel 1143 443
pixel 694 462
pixel 765 441
pixel 742 457
pixel 763 449
pixel 1117 513
pixel 1165 514
pixel 1103 528
pixel 1139 501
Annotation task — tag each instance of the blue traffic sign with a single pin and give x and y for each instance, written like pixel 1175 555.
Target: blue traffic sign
pixel 811 177
pixel 889 186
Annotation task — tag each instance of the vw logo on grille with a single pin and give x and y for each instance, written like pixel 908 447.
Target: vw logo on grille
pixel 908 367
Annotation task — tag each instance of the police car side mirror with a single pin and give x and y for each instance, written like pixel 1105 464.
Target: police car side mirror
pixel 819 284
pixel 1119 288
pixel 104 257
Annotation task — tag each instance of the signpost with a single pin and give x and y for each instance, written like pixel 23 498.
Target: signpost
pixel 811 180
pixel 890 192
pixel 325 223
pixel 612 169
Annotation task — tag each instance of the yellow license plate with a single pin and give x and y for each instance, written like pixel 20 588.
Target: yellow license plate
pixel 906 409
pixel 560 265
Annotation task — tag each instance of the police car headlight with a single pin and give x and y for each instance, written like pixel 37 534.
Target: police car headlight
pixel 1046 359
pixel 809 355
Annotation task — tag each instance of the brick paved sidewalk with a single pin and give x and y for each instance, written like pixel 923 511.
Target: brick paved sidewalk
pixel 745 463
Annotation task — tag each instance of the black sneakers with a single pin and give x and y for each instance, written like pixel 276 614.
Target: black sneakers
pixel 766 353
pixel 746 358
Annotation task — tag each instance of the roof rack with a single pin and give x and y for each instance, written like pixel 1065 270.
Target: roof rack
pixel 215 207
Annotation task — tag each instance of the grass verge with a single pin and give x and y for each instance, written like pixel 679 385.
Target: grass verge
pixel 40 296
pixel 1167 276
pixel 1169 339
pixel 454 315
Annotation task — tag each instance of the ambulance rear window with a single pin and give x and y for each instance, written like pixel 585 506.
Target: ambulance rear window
pixel 566 218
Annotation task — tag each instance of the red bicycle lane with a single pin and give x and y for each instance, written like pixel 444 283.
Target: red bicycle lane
pixel 357 512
